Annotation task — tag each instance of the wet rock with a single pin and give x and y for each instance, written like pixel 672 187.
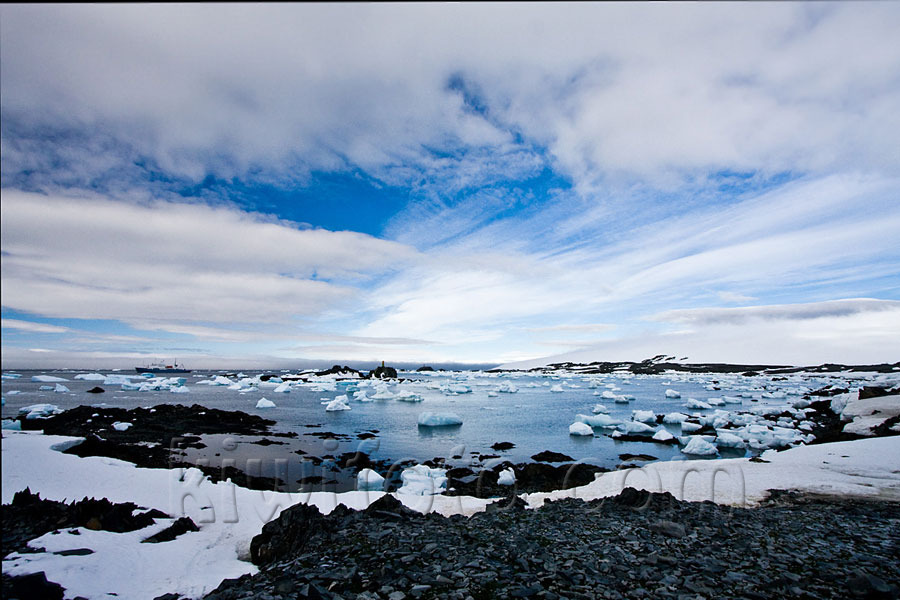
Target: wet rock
pixel 96 390
pixel 549 456
pixel 503 446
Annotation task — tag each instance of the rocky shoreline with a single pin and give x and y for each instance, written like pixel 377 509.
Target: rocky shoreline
pixel 635 545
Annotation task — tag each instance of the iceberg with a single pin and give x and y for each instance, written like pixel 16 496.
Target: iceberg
pixel 507 388
pixel 556 388
pixel 579 428
pixel 264 403
pixel 507 477
pixel 696 404
pixel 339 403
pixel 361 396
pixel 39 411
pixel 431 419
pixel 282 388
pixel 422 480
pixel 180 390
pixel 673 394
pixel 369 480
pixel 600 420
pixel 644 416
pixel 715 401
pixel 663 436
pixel 633 427
pixel 608 395
pixel 408 397
pixel 121 426
pixel 688 427
pixel 700 447
pixel 60 388
pixel 675 417
pixel 725 439
pixel 47 379
pixel 90 377
pixel 599 408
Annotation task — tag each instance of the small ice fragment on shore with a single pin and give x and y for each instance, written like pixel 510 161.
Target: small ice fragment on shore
pixel 264 403
pixel 580 428
pixel 121 425
pixel 422 480
pixel 339 403
pixel 672 394
pixel 39 411
pixel 507 477
pixel 369 480
pixel 662 436
pixel 431 419
pixel 47 379
pixel 644 416
pixel 699 447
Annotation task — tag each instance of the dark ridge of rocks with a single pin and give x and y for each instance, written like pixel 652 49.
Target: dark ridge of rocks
pixel 828 391
pixel 501 446
pixel 550 456
pixel 424 368
pixel 874 391
pixel 642 457
pixel 31 586
pixel 530 477
pixel 339 370
pixel 635 545
pixel 179 527
pixel 29 516
pixel 661 363
pixel 267 442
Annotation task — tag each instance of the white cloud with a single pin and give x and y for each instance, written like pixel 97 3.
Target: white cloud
pixel 734 297
pixel 170 263
pixel 652 90
pixel 812 310
pixel 31 326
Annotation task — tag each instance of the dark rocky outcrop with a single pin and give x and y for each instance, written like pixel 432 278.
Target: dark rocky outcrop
pixel 383 372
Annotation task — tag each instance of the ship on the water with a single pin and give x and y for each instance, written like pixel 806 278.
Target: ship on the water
pixel 162 367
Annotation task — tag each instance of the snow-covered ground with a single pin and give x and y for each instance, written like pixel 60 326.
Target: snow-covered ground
pixel 229 516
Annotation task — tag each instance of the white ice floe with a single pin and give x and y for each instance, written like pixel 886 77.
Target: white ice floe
pixel 122 425
pixel 282 388
pixel 696 404
pixel 367 479
pixel 869 413
pixel 715 401
pixel 644 416
pixel 433 419
pixel 636 428
pixel 361 396
pixel 507 477
pixel 673 394
pixel 407 396
pixel 47 379
pixel 726 439
pixel 492 394
pixel 60 388
pixel 598 420
pixel 12 425
pixel 181 389
pixel 507 388
pixel 265 403
pixel 90 377
pixel 675 417
pixel 700 447
pixel 599 408
pixel 39 411
pixel 557 389
pixel 382 392
pixel 422 480
pixel 338 404
pixel 608 395
pixel 662 435
pixel 579 428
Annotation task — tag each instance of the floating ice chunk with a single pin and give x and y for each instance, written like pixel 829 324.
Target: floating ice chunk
pixel 663 436
pixel 13 392
pixel 47 379
pixel 90 377
pixel 382 392
pixel 715 401
pixel 492 394
pixel 696 404
pixel 339 403
pixel 725 439
pixel 600 420
pixel 556 389
pixel 634 427
pixel 458 388
pixel 264 403
pixel 700 447
pixel 11 375
pixel 422 480
pixel 367 479
pixel 608 395
pixel 688 427
pixel 433 419
pixel 507 477
pixel 408 397
pixel 39 411
pixel 644 416
pixel 282 388
pixel 675 417
pixel 122 425
pixel 116 380
pixel 361 396
pixel 10 425
pixel 673 394
pixel 579 428
pixel 621 400
pixel 60 388
pixel 180 390
pixel 507 388
pixel 599 408
pixel 732 399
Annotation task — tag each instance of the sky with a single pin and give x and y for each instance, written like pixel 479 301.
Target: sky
pixel 472 183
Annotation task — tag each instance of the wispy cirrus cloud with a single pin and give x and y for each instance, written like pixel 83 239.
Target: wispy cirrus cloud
pixel 789 312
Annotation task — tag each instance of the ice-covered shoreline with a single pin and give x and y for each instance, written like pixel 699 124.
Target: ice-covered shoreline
pixel 229 516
